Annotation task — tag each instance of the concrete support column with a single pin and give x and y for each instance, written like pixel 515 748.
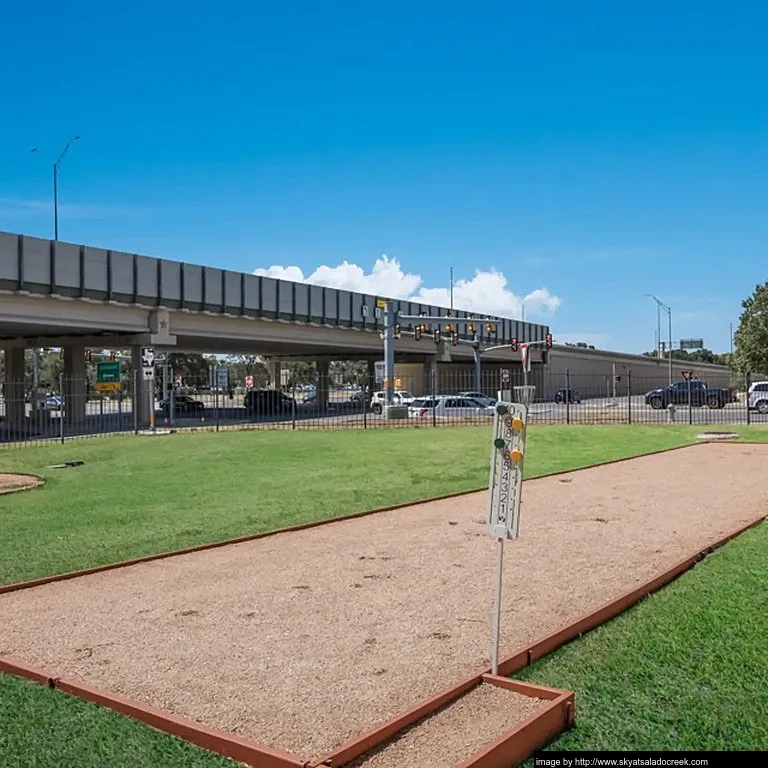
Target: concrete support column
pixel 274 371
pixel 75 384
pixel 430 381
pixel 323 387
pixel 140 390
pixel 15 407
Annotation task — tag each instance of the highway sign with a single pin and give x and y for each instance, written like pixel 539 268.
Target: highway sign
pixel 222 376
pixel 108 377
pixel 148 363
pixel 507 455
pixel 691 343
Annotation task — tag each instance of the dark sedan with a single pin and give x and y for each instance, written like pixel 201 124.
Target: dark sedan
pixel 183 405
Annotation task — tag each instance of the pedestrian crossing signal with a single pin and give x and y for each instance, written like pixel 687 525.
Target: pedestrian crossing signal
pixel 437 336
pixel 417 332
pixel 397 331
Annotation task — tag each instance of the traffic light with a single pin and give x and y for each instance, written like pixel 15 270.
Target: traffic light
pixel 61 353
pixel 455 338
pixel 617 378
pixel 87 355
pixel 113 356
pixel 548 341
pixel 397 331
pixel 417 332
pixel 515 346
pixel 437 335
pixel 448 327
pixel 472 327
pixel 490 327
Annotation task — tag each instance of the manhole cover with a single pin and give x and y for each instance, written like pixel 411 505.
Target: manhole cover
pixel 717 436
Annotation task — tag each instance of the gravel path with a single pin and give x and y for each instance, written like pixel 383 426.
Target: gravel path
pixel 306 639
pixel 456 732
pixel 11 482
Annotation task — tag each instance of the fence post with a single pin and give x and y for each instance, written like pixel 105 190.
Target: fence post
pixel 629 396
pixel 135 401
pixel 690 402
pixel 293 400
pixel 567 396
pixel 366 390
pixel 216 403
pixel 747 384
pixel 62 407
pixel 433 392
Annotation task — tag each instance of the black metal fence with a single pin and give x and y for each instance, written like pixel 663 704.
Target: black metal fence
pixel 72 409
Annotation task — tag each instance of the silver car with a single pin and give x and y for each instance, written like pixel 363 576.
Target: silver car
pixel 449 406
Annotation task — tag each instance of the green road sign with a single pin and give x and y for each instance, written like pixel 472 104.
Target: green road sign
pixel 108 377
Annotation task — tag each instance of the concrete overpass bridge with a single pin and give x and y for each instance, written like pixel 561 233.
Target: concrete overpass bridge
pixel 57 294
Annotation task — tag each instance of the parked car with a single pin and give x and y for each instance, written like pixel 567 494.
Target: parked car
pixel 567 396
pixel 267 402
pixel 361 397
pixel 183 405
pixel 447 406
pixel 53 403
pixel 757 397
pixel 399 397
pixel 480 397
pixel 694 392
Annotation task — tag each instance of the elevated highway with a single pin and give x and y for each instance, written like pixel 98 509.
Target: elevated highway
pixel 74 296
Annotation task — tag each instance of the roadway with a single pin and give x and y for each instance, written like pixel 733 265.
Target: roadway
pixel 109 416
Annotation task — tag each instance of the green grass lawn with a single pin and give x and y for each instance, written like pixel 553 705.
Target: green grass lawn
pixel 136 496
pixel 686 669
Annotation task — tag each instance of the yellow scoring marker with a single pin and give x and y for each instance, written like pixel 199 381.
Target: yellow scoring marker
pixel 516 456
pixel 517 424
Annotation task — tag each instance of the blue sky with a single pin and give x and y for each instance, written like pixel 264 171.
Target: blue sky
pixel 588 152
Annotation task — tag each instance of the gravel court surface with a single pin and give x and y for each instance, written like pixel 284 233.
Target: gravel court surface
pixel 303 640
pixel 456 732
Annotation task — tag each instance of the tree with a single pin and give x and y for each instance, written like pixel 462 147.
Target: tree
pixel 751 337
pixel 193 369
pixel 241 366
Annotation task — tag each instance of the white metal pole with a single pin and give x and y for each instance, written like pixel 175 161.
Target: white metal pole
pixel 497 612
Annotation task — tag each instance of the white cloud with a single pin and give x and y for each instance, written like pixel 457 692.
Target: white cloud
pixel 486 291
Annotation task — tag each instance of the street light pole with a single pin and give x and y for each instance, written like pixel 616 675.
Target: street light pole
pixel 56 187
pixel 659 305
